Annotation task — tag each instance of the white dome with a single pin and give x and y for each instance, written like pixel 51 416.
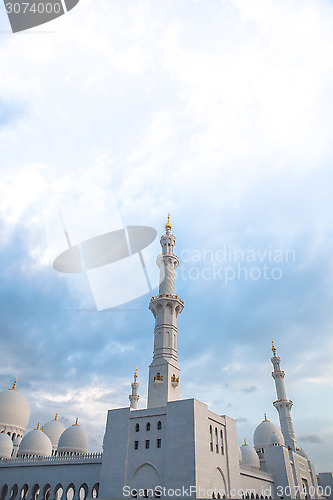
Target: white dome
pixel 73 440
pixel 250 457
pixel 14 409
pixel 303 453
pixel 53 430
pixel 262 434
pixel 6 446
pixel 276 440
pixel 35 443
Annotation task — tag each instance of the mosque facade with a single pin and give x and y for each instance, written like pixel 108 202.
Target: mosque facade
pixel 174 447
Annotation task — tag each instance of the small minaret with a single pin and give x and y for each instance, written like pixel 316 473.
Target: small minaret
pixel 282 404
pixel 164 370
pixel 134 397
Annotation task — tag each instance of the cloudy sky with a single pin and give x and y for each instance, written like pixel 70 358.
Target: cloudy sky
pixel 219 112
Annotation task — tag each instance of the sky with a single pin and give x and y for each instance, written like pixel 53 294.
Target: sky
pixel 219 112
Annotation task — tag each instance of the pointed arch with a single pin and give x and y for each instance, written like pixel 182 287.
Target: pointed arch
pixel 4 491
pixel 219 482
pixel 146 477
pixel 35 491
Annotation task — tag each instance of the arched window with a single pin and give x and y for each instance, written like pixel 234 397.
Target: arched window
pixel 216 431
pixel 83 491
pixel 70 493
pixel 13 492
pixel 4 491
pixel 210 429
pixel 95 489
pixel 148 426
pixel 58 491
pixel 46 492
pixel 24 492
pixel 159 425
pixel 35 492
pixel 137 427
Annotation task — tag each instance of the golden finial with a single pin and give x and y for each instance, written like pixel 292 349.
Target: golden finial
pixel 136 373
pixel 273 348
pixel 14 385
pixel 37 428
pixel 4 430
pixel 56 416
pixel 168 225
pixel 77 421
pixel 43 428
pixel 265 419
pixel 245 442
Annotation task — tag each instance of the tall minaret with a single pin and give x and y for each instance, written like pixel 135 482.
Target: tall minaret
pixel 134 397
pixel 164 370
pixel 282 404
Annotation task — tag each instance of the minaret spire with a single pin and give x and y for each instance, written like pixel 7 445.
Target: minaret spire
pixel 134 397
pixel 164 369
pixel 282 404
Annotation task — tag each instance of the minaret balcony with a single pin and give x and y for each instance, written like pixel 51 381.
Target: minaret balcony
pixel 174 381
pixel 158 379
pixel 167 295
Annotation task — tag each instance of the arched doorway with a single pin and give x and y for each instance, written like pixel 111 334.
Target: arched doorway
pixel 219 483
pixel 145 480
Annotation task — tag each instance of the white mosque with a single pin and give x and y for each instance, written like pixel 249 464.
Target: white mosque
pixel 174 447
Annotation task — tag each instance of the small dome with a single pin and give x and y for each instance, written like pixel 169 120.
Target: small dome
pixel 53 430
pixel 6 446
pixel 276 440
pixel 262 434
pixel 249 456
pixel 14 409
pixel 73 440
pixel 303 453
pixel 35 443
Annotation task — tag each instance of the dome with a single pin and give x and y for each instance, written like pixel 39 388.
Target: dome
pixel 303 453
pixel 14 409
pixel 73 440
pixel 249 456
pixel 53 430
pixel 262 434
pixel 276 440
pixel 35 443
pixel 6 446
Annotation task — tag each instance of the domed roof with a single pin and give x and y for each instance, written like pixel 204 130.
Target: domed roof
pixel 250 457
pixel 303 453
pixel 73 440
pixel 53 430
pixel 263 432
pixel 35 443
pixel 14 409
pixel 6 445
pixel 276 440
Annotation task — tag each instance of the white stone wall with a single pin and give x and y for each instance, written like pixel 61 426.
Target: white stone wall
pixel 27 477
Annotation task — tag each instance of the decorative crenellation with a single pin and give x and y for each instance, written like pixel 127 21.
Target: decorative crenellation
pixel 55 458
